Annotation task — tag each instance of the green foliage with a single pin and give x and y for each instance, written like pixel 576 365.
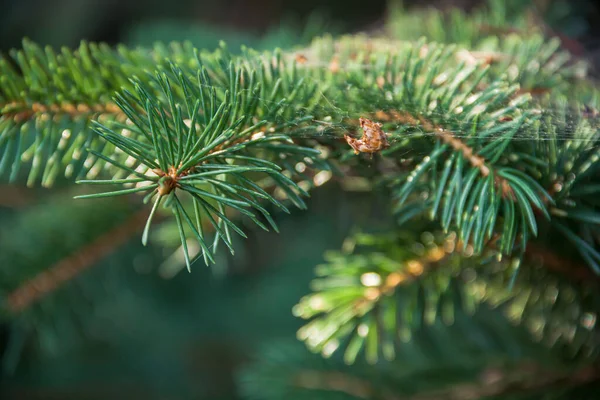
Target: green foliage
pixel 437 363
pixel 63 227
pixel 418 87
pixel 427 96
pixel 571 146
pixel 205 148
pixel 375 294
pixel 537 64
pixel 491 20
pixel 493 139
pixel 47 99
pixel 375 299
pixel 503 34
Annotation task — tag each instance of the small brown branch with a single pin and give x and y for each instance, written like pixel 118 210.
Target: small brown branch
pixel 554 262
pixel 471 57
pixel 534 91
pixel 533 252
pixel 66 269
pixel 408 272
pixel 550 259
pixel 499 30
pixel 449 138
pixel 63 271
pixel 15 197
pixel 170 179
pixel 21 111
pixel 339 382
pixel 526 378
pixel 523 379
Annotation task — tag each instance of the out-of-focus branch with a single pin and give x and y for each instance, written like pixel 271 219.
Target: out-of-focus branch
pixel 66 269
pixel 15 197
pixel 525 378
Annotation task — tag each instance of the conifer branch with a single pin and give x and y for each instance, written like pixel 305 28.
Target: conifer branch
pixel 523 379
pixel 356 291
pixel 405 275
pixel 492 191
pixel 371 296
pixel 536 253
pixel 15 197
pixel 213 136
pixel 21 111
pixel 340 382
pixel 209 155
pixel 455 142
pixel 53 278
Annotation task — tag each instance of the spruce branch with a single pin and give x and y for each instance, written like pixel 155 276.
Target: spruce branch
pixel 48 99
pixel 478 356
pixel 38 82
pixel 447 137
pixel 381 289
pixel 204 147
pixel 570 144
pixel 517 49
pixel 480 126
pixel 459 136
pixel 430 105
pixel 59 274
pixel 577 272
pixel 368 298
pixel 524 379
pixel 494 189
pixel 20 111
pixel 15 197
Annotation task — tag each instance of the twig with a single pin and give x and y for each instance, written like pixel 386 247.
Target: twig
pixel 526 378
pixel 15 197
pixel 534 91
pixel 21 111
pixel 549 259
pixel 450 139
pixel 409 271
pixel 66 269
pixel 339 382
pixel 556 263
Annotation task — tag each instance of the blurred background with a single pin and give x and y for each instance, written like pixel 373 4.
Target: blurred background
pixel 205 22
pixel 130 325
